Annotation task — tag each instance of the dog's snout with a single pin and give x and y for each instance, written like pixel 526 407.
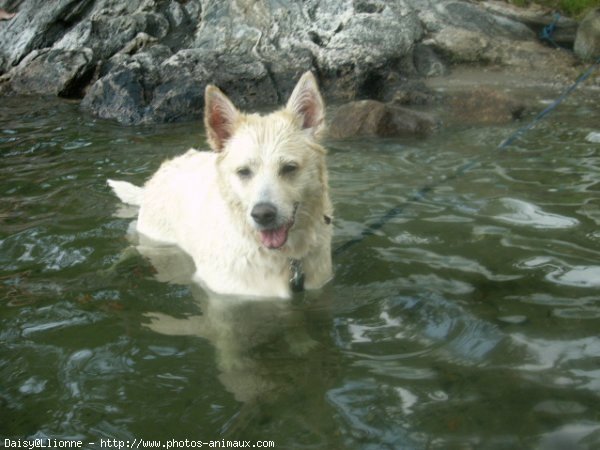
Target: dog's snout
pixel 264 213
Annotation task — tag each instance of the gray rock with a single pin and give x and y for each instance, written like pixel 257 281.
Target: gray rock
pixel 122 94
pixel 587 41
pixel 370 37
pixel 58 72
pixel 180 92
pixel 373 118
pixel 461 45
pixel 255 53
pixel 39 24
pixel 148 60
pixel 472 17
pixel 125 91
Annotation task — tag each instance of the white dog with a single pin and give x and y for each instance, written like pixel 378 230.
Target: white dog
pixel 255 213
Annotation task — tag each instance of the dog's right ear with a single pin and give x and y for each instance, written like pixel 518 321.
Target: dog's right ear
pixel 220 117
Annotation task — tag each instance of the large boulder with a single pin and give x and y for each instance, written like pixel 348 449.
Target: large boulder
pixel 587 41
pixel 360 40
pixel 255 51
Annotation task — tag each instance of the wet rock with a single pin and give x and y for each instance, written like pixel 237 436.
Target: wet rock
pixel 587 41
pixel 57 72
pixel 484 106
pixel 373 118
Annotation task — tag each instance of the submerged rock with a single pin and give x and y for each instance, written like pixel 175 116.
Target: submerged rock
pixel 484 106
pixel 373 118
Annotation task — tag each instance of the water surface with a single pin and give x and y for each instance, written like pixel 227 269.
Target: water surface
pixel 469 320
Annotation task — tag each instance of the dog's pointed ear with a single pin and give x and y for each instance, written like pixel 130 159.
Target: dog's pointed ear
pixel 220 117
pixel 306 102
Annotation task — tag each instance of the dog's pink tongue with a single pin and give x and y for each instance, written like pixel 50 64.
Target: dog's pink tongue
pixel 274 238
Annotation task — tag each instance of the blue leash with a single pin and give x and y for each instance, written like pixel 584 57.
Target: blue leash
pixel 584 76
pixel 421 193
pixel 548 31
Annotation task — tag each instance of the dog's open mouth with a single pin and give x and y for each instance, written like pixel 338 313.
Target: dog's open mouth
pixel 275 238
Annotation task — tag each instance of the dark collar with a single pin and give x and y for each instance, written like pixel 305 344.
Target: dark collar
pixel 296 270
pixel 296 276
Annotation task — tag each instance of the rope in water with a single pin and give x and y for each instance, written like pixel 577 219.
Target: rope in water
pixel 584 76
pixel 421 193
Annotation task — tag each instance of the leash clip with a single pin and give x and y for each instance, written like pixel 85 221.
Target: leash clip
pixel 297 276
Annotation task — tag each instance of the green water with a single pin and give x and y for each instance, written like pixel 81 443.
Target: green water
pixel 469 321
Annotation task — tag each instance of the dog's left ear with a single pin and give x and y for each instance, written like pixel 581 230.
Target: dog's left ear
pixel 307 104
pixel 220 117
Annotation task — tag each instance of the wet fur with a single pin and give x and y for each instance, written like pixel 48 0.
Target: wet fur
pixel 203 201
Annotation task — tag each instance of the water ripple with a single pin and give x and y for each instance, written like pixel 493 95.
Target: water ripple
pixel 419 326
pixel 438 262
pixel 528 214
pixel 560 272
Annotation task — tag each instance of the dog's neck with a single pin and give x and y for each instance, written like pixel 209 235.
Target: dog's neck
pixel 297 269
pixel 296 276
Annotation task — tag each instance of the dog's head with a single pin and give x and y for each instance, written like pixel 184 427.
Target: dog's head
pixel 271 168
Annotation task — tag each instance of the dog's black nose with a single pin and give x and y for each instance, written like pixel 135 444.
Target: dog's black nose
pixel 264 213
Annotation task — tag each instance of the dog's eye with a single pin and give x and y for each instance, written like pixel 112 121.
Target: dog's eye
pixel 288 169
pixel 244 172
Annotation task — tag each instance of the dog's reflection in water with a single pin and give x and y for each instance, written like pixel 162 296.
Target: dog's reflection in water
pixel 256 340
